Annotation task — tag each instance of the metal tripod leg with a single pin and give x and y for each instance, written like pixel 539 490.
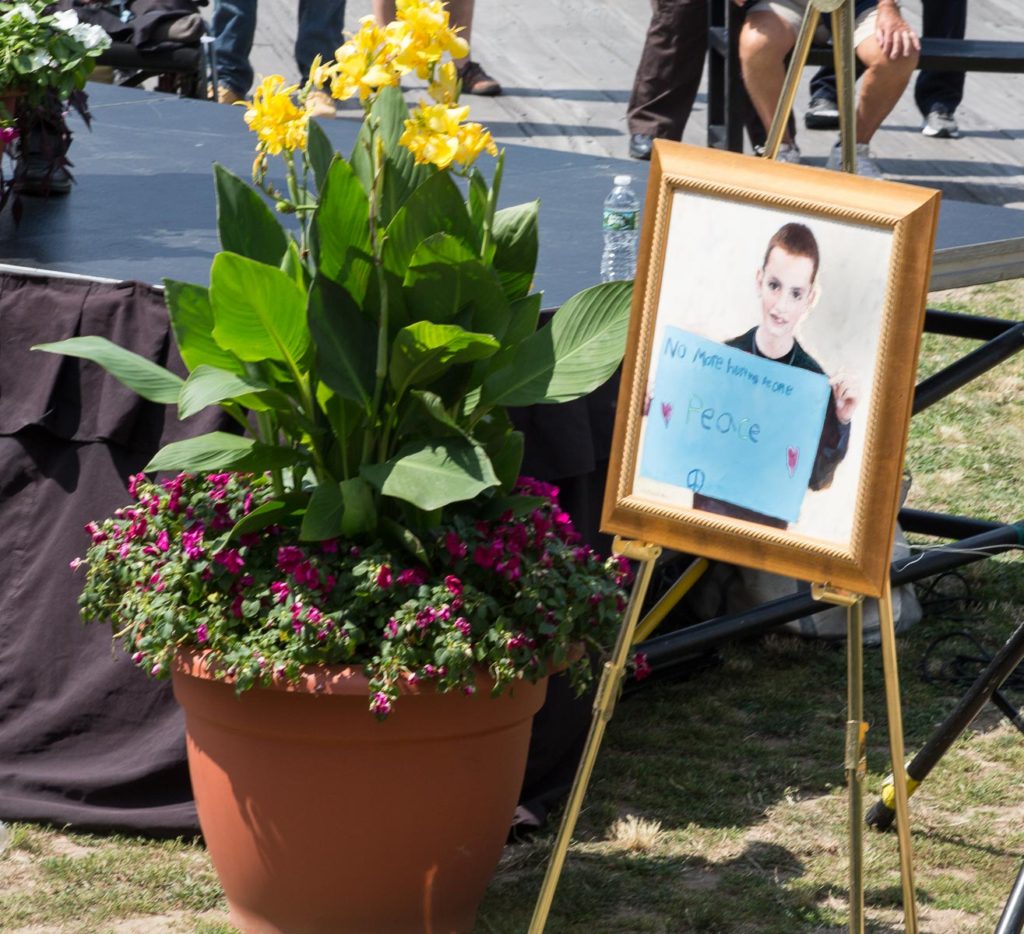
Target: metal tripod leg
pixel 604 705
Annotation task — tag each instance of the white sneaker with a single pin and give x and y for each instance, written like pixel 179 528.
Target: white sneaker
pixel 788 152
pixel 866 165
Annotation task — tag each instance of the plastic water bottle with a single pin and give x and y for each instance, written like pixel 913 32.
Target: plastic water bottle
pixel 621 231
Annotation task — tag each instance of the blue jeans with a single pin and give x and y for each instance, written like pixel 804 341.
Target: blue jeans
pixel 234 26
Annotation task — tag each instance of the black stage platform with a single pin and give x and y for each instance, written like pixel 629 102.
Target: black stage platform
pixel 143 207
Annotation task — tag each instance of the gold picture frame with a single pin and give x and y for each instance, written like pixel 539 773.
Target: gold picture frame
pixel 832 337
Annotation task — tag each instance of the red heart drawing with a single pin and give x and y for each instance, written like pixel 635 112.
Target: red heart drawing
pixel 792 457
pixel 666 412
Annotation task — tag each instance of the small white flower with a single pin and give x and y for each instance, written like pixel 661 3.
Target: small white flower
pixel 92 37
pixel 40 59
pixel 24 11
pixel 65 19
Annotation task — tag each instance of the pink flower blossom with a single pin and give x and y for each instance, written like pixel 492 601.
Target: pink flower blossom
pixel 289 557
pixel 8 134
pixel 384 577
pixel 425 617
pixel 192 542
pixel 329 546
pixel 306 574
pixel 641 667
pixel 236 607
pixel 138 657
pixel 202 634
pixel 163 540
pixel 156 582
pixel 391 628
pixel 455 546
pixel 462 625
pixel 453 584
pixel 380 705
pixel 280 590
pixel 134 481
pixel 411 577
pixel 231 559
pixel 75 564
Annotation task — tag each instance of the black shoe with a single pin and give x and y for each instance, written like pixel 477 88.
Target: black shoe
pixel 640 146
pixel 476 81
pixel 822 114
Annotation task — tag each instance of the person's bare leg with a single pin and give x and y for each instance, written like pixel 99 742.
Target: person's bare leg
pixel 383 11
pixel 765 40
pixel 881 86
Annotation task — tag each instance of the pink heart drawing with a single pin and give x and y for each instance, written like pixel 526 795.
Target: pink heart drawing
pixel 666 412
pixel 792 457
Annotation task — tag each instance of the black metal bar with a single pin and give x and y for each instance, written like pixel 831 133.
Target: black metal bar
pixel 1015 716
pixel 958 324
pixel 970 366
pixel 1011 921
pixel 943 525
pixel 991 55
pixel 985 685
pixel 665 651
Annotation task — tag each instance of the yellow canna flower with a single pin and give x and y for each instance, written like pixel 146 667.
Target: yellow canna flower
pixel 432 133
pixel 279 124
pixel 473 140
pixel 421 35
pixel 445 86
pixel 362 65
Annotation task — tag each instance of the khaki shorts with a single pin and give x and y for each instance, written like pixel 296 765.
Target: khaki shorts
pixel 791 12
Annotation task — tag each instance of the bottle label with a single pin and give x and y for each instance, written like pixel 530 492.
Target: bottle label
pixel 619 220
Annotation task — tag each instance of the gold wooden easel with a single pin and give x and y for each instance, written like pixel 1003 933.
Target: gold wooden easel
pixel 646 554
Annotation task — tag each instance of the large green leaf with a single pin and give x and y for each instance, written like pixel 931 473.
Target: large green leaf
pixel 208 385
pixel 342 227
pixel 435 207
pixel 219 450
pixel 524 313
pixel 148 379
pixel 445 279
pixel 516 241
pixel 245 222
pixel 344 509
pixel 192 323
pixel 346 341
pixel 281 510
pixel 423 351
pixel 432 475
pixel 259 311
pixel 570 356
pixel 320 152
pixel 506 454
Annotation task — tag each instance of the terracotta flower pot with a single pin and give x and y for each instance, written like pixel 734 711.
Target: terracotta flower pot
pixel 319 818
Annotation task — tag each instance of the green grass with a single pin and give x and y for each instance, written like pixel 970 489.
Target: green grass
pixel 741 764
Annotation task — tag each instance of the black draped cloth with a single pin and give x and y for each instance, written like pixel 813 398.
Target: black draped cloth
pixel 86 738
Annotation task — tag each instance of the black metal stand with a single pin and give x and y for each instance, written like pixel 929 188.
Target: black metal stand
pixel 1012 919
pixel 1003 663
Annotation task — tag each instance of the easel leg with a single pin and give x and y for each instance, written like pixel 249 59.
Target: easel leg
pixel 895 716
pixel 797 60
pixel 604 705
pixel 846 80
pixel 856 767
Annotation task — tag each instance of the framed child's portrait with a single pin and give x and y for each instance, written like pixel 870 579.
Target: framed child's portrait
pixel 770 365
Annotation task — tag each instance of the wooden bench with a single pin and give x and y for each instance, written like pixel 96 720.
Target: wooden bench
pixel 727 96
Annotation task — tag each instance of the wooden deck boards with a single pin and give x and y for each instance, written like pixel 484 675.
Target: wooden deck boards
pixel 567 69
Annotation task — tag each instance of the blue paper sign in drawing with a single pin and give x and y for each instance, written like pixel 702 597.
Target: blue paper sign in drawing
pixel 732 425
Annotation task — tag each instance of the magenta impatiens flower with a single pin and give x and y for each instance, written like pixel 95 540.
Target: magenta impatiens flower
pixel 231 559
pixel 411 577
pixel 384 579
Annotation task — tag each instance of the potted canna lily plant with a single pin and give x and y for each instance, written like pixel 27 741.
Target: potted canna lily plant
pixel 356 595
